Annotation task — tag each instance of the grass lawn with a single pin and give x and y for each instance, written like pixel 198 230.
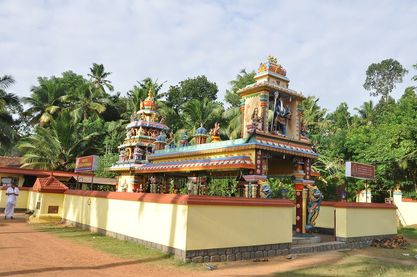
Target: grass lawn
pixel 369 262
pixel 115 247
pixel 355 265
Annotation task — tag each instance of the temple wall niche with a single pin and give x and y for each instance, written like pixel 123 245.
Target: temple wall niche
pixel 251 102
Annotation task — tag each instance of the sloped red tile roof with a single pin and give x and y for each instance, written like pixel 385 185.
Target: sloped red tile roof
pixel 49 184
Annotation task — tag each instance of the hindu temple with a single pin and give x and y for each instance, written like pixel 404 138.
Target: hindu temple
pixel 272 144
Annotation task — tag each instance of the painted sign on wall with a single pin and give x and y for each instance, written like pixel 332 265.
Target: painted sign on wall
pixel 87 163
pixel 360 171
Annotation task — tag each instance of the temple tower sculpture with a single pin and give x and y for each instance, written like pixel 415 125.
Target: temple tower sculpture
pixel 145 133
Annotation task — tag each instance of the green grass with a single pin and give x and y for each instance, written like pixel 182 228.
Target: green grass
pixel 356 266
pixel 408 232
pixel 112 246
pixel 377 262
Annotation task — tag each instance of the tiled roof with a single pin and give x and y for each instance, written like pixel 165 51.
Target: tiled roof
pixel 287 147
pixel 144 123
pixel 233 162
pixel 6 161
pixel 49 184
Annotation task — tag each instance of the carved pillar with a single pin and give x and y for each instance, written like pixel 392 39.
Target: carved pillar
pixel 300 204
pixel 264 98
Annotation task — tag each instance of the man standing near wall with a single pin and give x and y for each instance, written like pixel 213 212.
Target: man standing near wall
pixel 12 193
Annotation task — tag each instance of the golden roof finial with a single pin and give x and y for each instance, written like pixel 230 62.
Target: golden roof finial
pixel 272 59
pixel 150 93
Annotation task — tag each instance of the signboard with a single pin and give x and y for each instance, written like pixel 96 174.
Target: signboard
pixel 360 171
pixel 87 163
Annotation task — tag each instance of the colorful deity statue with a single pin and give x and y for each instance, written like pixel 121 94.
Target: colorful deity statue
pixel 282 113
pixel 137 153
pixel 313 207
pixel 215 132
pixel 122 156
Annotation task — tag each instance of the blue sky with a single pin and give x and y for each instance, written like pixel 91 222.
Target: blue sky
pixel 325 46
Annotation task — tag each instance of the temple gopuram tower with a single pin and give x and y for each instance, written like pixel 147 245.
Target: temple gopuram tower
pixel 145 132
pixel 271 116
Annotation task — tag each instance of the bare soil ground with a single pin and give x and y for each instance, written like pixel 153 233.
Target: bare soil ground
pixel 28 252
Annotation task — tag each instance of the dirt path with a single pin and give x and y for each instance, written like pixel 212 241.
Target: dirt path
pixel 27 252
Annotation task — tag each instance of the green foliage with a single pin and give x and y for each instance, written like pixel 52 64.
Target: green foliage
pixel 222 187
pixel 98 78
pixel 193 88
pixel 282 188
pixel 105 161
pixel 382 77
pixel 9 106
pixel 242 80
pixel 56 148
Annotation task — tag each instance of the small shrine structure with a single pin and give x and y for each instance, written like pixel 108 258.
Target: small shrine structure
pixel 273 144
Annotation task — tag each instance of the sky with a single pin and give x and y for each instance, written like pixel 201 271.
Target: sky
pixel 326 46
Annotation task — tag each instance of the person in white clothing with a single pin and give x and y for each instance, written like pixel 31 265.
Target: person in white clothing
pixel 12 193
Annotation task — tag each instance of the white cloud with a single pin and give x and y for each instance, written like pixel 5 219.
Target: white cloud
pixel 325 46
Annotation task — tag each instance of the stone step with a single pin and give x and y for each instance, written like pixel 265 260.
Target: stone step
pixel 318 247
pixel 305 240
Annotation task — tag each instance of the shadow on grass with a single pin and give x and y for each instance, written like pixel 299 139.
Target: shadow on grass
pixel 69 268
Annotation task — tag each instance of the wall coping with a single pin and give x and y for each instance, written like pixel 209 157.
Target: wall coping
pixel 328 203
pixel 356 205
pixel 183 199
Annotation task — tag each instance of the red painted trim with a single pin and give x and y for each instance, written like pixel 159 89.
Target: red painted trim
pixel 237 201
pixel 328 203
pixel 183 199
pixel 409 200
pixel 356 205
pixel 20 188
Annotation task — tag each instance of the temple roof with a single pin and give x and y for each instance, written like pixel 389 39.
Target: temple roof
pixel 227 163
pixel 143 123
pixel 284 145
pixel 271 85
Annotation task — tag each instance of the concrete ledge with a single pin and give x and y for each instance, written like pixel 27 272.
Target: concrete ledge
pixel 324 231
pixel 364 239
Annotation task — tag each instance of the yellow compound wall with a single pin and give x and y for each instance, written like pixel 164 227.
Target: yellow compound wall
pixel 362 222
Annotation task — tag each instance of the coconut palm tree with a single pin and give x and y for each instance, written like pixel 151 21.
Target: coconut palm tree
pixel 233 116
pixel 367 112
pixel 45 101
pixel 313 116
pixel 9 103
pixel 8 100
pixel 99 78
pixel 85 102
pixel 205 112
pixel 56 147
